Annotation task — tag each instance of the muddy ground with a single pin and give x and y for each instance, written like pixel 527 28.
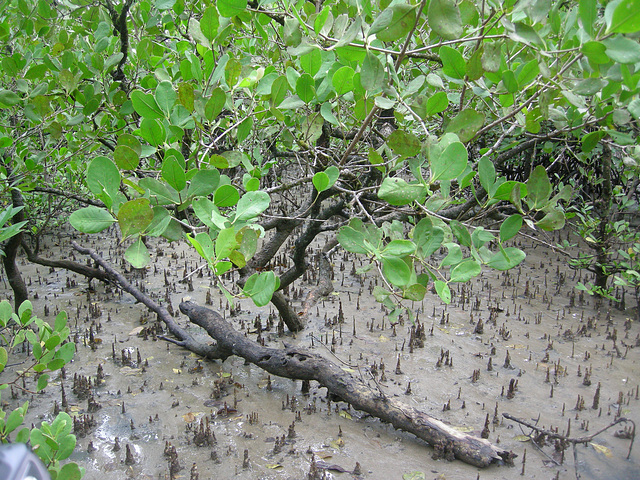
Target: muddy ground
pixel 559 349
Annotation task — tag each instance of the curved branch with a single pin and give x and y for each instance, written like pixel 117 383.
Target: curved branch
pixel 184 339
pixel 76 267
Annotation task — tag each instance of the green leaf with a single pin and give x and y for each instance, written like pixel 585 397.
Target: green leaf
pixel 342 80
pixel 321 181
pixel 17 416
pixel 401 21
pixel 165 97
pixel 454 255
pixel 70 471
pixel 491 56
pixel 415 292
pixel 66 352
pixel 444 18
pixel 91 219
pixel 480 236
pixel 506 258
pixel 209 23
pixel 465 271
pixel 3 358
pixel 126 158
pixel 231 8
pixel 260 287
pixel 134 216
pixel 596 52
pixel 43 381
pixel 396 271
pixel 204 183
pixel 453 65
pixel 510 227
pixel 128 140
pixel 591 140
pixel 305 88
pixel 8 99
pixel 553 220
pixel 145 105
pixel 311 61
pixel 137 254
pixel 225 243
pixel 403 143
pixel 66 445
pixel 461 233
pixel 226 196
pixel 625 18
pixel 352 240
pixel 251 204
pixel 398 248
pixel 621 49
pixel 450 163
pixel 438 102
pixel 372 72
pixel 538 188
pixel 153 131
pixel 486 174
pixel 174 173
pixel 279 89
pixel 397 191
pixel 442 289
pixel 103 177
pixel 427 237
pixel 215 104
pixel 466 124
pixel 164 193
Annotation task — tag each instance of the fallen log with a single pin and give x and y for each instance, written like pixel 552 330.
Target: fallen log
pixel 301 364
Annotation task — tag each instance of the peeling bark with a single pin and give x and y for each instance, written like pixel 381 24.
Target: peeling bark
pixel 301 364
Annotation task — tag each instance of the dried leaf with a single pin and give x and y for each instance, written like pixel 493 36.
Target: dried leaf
pixel 136 331
pixel 189 417
pixel 602 449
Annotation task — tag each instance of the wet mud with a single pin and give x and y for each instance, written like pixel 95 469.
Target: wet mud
pixel 523 342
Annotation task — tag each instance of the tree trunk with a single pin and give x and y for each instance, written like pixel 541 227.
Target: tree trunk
pixel 301 364
pixel 20 293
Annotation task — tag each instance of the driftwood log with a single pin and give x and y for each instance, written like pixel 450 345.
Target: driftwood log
pixel 301 364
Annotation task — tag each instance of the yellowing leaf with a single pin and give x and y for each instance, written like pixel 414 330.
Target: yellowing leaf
pixel 382 338
pixel 463 428
pixel 274 466
pixel 522 438
pixel 189 417
pixel 177 371
pixel 337 444
pixel 602 449
pixel 323 454
pixel 349 370
pixel 136 331
pixel 130 372
pixel 345 414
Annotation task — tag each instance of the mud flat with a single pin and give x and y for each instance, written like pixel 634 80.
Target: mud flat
pixel 523 342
